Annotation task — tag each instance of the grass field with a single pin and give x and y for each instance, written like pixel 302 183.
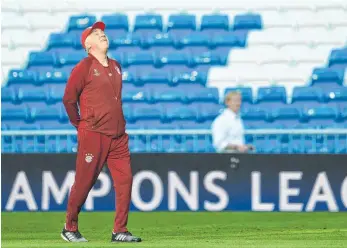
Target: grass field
pixel 183 230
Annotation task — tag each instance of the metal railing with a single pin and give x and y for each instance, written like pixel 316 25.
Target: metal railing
pixel 190 140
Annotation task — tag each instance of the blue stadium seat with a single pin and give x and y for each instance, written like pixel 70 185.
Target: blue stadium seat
pixel 148 22
pixel 125 40
pixel 174 58
pixel 209 112
pixel 47 113
pixel 70 58
pixel 193 39
pixel 181 21
pixel 8 95
pixel 136 95
pixel 255 113
pixel 181 114
pixel 62 40
pixel 148 112
pixel 21 77
pixel 338 58
pixel 229 40
pixel 115 22
pixel 327 76
pixel 168 95
pixel 209 58
pixel 197 77
pixel 141 58
pixel 128 77
pixel 53 76
pixel 336 94
pixel 203 95
pixel 272 94
pixel 37 94
pixel 55 94
pixel 326 114
pixel 246 93
pixel 159 76
pixel 307 94
pixel 80 22
pixel 215 22
pixel 247 22
pixel 288 117
pixel 15 113
pixel 41 59
pixel 158 40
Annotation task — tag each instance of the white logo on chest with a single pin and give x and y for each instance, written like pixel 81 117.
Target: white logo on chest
pixel 89 157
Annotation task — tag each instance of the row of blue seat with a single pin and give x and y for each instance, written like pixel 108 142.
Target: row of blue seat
pixel 130 59
pixel 170 76
pixel 146 40
pixel 178 112
pixel 177 94
pixel 170 145
pixel 175 21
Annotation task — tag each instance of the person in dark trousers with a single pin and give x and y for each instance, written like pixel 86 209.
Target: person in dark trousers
pixel 92 100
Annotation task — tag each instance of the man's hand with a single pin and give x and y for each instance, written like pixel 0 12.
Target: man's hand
pixel 242 148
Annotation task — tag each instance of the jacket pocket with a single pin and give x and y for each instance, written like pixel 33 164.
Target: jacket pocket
pixel 90 116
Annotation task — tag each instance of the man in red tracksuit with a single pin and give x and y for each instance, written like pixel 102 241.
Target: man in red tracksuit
pixel 93 103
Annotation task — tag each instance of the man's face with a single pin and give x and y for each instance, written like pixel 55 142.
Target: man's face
pixel 97 40
pixel 234 103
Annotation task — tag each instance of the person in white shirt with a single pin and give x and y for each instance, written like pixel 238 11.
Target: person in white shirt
pixel 228 129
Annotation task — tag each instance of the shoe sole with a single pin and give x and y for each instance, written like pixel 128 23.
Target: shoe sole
pixel 119 241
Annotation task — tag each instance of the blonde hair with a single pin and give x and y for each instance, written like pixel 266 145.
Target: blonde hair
pixel 231 94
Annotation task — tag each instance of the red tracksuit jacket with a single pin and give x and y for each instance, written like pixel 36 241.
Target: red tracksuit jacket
pixel 92 97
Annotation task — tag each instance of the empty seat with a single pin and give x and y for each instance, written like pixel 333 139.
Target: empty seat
pixel 116 22
pixel 181 114
pixel 336 94
pixel 174 58
pixel 135 95
pixel 246 93
pixel 288 117
pixel 272 94
pixel 154 77
pixel 41 59
pixel 209 112
pixel 181 22
pixel 209 58
pixel 80 22
pixel 158 39
pixel 70 58
pixel 15 113
pixel 247 22
pixel 125 40
pixel 141 58
pixel 21 77
pixel 54 76
pixel 327 75
pixel 168 95
pixel 301 94
pixel 194 39
pixel 32 95
pixel 148 112
pixel 148 23
pixel 214 22
pixel 320 112
pixel 254 113
pixel 47 113
pixel 62 40
pixel 203 95
pixel 338 57
pixel 55 94
pixel 229 39
pixel 8 95
pixel 189 77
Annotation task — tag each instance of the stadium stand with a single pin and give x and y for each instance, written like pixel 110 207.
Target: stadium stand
pixel 289 63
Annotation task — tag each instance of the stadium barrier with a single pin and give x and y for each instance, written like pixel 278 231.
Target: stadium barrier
pixel 266 140
pixel 185 182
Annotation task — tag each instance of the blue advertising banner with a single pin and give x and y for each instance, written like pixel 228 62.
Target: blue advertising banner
pixel 184 182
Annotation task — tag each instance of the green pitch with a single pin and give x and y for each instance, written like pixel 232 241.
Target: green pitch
pixel 183 230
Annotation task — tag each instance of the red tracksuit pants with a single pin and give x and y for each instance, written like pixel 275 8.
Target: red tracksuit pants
pixel 94 149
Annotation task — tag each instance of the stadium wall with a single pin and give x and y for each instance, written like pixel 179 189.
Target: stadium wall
pixel 185 182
